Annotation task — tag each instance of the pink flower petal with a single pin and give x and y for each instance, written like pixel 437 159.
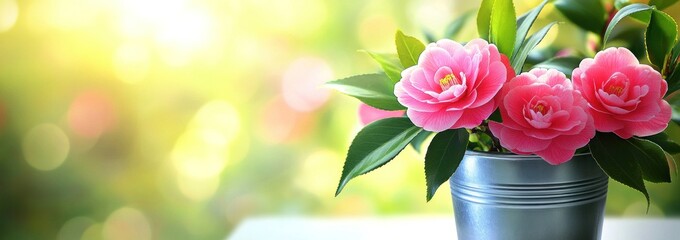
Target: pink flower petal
pixel 647 128
pixel 435 121
pixel 473 117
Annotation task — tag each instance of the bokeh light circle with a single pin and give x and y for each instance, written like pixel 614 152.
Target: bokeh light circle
pixel 9 12
pixel 198 189
pixel 303 84
pixel 45 147
pixel 126 223
pixel 91 113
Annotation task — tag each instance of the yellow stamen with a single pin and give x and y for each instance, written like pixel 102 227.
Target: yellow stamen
pixel 540 108
pixel 449 80
pixel 618 90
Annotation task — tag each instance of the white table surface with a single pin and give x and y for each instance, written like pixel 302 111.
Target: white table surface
pixel 422 227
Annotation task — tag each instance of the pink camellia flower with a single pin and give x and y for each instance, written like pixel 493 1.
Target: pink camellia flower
pixel 368 114
pixel 625 97
pixel 453 85
pixel 543 114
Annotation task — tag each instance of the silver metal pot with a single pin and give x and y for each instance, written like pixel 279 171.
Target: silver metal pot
pixel 507 196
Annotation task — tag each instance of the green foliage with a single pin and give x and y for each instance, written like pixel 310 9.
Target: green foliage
pixel 620 15
pixel 503 26
pixel 417 142
pixel 376 90
pixel 630 161
pixel 587 14
pixel 390 64
pixel 518 59
pixel 565 65
pixel 664 141
pixel 524 23
pixel 375 145
pixel 408 49
pixel 662 4
pixel 484 18
pixel 443 156
pixel 660 38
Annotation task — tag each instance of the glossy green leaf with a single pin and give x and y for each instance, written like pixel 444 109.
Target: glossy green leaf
pixel 390 64
pixel 484 18
pixel 652 160
pixel 587 14
pixel 443 156
pixel 664 141
pixel 662 4
pixel 623 169
pixel 565 65
pixel 376 90
pixel 520 57
pixel 417 142
pixel 524 23
pixel 660 38
pixel 675 53
pixel 629 161
pixel 408 49
pixel 375 145
pixel 620 15
pixel 503 26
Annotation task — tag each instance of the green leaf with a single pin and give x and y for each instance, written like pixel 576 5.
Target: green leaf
pixel 503 26
pixel 408 48
pixel 652 160
pixel 524 23
pixel 565 65
pixel 454 27
pixel 484 18
pixel 418 141
pixel 672 164
pixel 376 90
pixel 375 145
pixel 390 64
pixel 518 59
pixel 662 4
pixel 660 38
pixel 675 53
pixel 443 156
pixel 496 116
pixel 587 14
pixel 623 169
pixel 664 141
pixel 621 14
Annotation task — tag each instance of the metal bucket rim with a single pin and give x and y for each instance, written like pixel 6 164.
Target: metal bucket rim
pixel 515 157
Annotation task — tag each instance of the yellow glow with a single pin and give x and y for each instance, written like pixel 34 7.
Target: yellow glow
pixel 9 11
pixel 201 152
pixel 179 28
pixel 198 189
pixel 131 62
pixel 45 147
pixel 65 14
pixel 194 156
pixel 219 122
pixel 317 172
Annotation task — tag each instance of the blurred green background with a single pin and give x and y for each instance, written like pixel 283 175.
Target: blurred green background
pixel 177 119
